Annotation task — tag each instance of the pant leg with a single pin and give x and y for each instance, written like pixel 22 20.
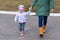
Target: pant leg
pixel 45 20
pixel 20 26
pixel 40 20
pixel 23 26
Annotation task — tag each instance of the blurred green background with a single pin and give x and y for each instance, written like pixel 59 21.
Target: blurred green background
pixel 12 5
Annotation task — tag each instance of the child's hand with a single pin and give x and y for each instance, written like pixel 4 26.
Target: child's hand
pixel 16 20
pixel 52 10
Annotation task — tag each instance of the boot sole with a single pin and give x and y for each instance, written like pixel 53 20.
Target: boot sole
pixel 41 35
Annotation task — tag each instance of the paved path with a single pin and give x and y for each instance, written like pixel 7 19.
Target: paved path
pixel 9 29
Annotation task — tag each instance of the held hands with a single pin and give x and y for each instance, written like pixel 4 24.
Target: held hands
pixel 30 9
pixel 52 10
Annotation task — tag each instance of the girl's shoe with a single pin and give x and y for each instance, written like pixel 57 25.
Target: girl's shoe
pixel 22 33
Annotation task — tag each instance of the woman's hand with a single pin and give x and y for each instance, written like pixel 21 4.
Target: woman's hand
pixel 52 10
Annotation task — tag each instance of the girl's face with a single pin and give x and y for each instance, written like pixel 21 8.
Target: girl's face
pixel 22 10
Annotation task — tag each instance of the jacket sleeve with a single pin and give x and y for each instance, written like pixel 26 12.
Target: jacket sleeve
pixel 28 13
pixel 51 4
pixel 16 18
pixel 33 3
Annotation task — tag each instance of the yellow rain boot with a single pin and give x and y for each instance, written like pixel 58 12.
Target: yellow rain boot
pixel 44 28
pixel 41 31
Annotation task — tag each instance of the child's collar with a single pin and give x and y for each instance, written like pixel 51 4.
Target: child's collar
pixel 20 12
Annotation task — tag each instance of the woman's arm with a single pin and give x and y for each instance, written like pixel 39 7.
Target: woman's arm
pixel 51 4
pixel 33 3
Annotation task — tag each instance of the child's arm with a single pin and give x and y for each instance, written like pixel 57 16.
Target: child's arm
pixel 16 18
pixel 28 12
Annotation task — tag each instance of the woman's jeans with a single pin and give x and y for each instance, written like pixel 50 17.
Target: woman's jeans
pixel 21 26
pixel 42 20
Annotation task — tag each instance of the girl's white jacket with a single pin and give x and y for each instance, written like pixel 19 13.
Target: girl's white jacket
pixel 21 17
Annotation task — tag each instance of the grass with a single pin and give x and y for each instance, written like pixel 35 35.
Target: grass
pixel 57 5
pixel 12 5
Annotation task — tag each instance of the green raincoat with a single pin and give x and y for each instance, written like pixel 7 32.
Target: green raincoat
pixel 43 7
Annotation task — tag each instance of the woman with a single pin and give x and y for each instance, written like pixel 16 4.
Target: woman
pixel 43 8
